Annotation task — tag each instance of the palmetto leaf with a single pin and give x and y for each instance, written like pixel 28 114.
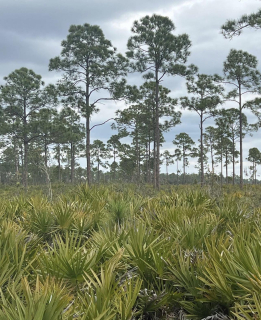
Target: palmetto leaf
pixel 126 298
pixel 251 309
pixel 64 213
pixel 46 301
pixel 100 291
pixel 146 250
pixel 69 259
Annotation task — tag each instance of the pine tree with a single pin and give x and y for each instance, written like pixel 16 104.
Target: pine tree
pixel 22 97
pixel 207 97
pixel 99 153
pixel 154 49
pixel 90 65
pixel 184 142
pixel 240 70
pixel 168 158
pixel 254 156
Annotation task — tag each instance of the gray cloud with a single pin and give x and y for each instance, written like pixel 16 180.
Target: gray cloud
pixel 31 32
pixel 52 18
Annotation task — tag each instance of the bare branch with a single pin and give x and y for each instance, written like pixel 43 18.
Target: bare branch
pixel 162 75
pixel 100 124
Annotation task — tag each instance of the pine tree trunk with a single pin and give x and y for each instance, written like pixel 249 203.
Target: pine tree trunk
pixel 157 183
pixel 240 138
pixel 88 132
pixel 147 163
pixel 201 150
pixel 221 168
pixel 255 172
pixel 149 172
pixel 16 161
pixel 154 159
pixel 59 162
pixel 233 160
pixel 177 172
pixel 98 171
pixel 114 161
pixel 184 164
pixel 45 158
pixel 72 163
pixel 254 182
pixel 45 152
pixel 226 166
pixel 25 171
pixel 25 167
pixel 138 159
pixel 22 158
pixel 212 159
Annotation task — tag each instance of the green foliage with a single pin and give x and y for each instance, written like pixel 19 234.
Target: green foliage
pixel 44 301
pixel 207 97
pixel 155 50
pixel 164 49
pixel 68 259
pixel 90 65
pixel 235 27
pixel 240 70
pixel 112 253
pixel 22 98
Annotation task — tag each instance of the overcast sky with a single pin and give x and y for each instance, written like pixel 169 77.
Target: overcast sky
pixel 31 32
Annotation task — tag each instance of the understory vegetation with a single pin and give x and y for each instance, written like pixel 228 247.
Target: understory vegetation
pixel 123 252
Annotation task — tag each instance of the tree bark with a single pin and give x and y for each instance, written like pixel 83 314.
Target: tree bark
pixel 177 172
pixel 25 171
pixel 16 161
pixel 212 160
pixel 221 161
pixel 45 152
pixel 98 171
pixel 59 162
pixel 46 159
pixel 114 162
pixel 149 171
pixel 233 158
pixel 221 169
pixel 240 137
pixel 154 157
pixel 138 158
pixel 25 167
pixel 72 163
pixel 88 131
pixel 147 162
pixel 157 183
pixel 201 151
pixel 184 164
pixel 226 166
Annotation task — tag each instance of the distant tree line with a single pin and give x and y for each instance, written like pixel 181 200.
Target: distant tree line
pixel 46 129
